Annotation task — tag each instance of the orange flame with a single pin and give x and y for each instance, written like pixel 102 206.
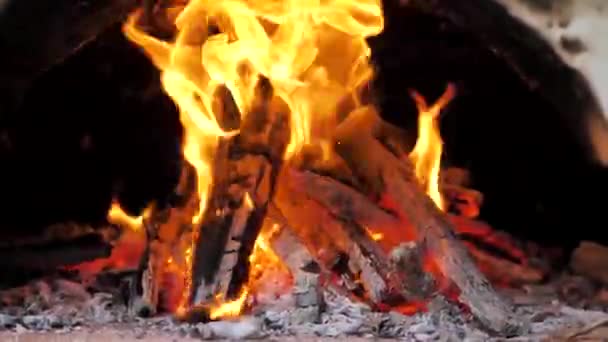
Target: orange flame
pixel 426 155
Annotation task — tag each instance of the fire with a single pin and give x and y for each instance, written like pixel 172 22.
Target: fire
pixel 127 250
pixel 229 309
pixel 117 216
pixel 426 154
pixel 313 53
pixel 375 236
pixel 263 261
pixel 315 56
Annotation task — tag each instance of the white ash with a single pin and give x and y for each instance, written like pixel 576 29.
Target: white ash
pixel 54 304
pixel 64 306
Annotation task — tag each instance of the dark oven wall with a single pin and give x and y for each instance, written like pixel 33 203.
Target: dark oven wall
pixel 94 126
pixel 537 180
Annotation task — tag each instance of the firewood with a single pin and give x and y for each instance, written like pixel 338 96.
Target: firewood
pixel 408 258
pixel 348 204
pixel 338 222
pixel 345 202
pixel 326 238
pixel 504 271
pixel 591 259
pixel 304 269
pixel 245 170
pixel 164 230
pixel 392 179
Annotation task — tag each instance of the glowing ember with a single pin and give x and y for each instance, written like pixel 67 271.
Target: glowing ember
pixel 426 155
pixel 374 236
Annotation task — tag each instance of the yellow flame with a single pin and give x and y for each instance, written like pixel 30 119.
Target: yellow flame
pixel 117 216
pixel 231 308
pixel 426 154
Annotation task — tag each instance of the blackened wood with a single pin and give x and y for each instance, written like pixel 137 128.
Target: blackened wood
pixel 387 180
pixel 245 171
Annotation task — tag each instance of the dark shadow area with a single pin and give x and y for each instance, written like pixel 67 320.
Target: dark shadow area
pixel 99 125
pixel 96 126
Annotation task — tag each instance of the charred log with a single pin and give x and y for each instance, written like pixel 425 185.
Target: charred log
pixel 246 168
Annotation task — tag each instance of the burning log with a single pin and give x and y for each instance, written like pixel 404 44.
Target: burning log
pixel 389 178
pixel 346 203
pixel 246 168
pixel 304 269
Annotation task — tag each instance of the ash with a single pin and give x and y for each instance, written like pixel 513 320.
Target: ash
pixel 65 308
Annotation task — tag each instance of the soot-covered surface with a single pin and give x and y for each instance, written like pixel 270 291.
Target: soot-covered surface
pixel 100 125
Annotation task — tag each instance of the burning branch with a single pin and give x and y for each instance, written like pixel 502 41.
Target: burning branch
pixel 386 178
